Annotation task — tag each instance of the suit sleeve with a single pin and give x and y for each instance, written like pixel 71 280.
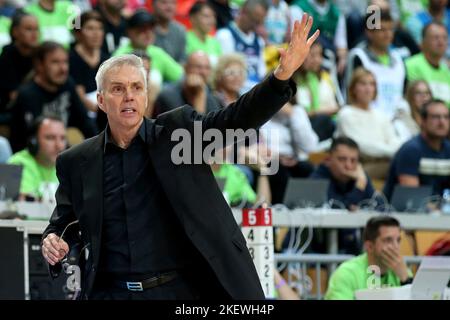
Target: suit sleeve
pixel 252 109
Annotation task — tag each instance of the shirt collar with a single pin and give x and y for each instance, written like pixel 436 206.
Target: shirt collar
pixel 141 134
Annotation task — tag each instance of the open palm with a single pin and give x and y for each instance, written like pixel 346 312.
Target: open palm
pixel 292 57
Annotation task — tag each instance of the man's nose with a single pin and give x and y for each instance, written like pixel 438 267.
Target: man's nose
pixel 129 94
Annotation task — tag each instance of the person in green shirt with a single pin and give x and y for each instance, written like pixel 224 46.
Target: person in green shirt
pixel 56 19
pixel 203 20
pixel 381 265
pixel 236 189
pixel 429 65
pixel 47 141
pixel 140 31
pixel 5 37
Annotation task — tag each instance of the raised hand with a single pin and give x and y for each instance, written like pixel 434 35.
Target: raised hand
pixel 292 57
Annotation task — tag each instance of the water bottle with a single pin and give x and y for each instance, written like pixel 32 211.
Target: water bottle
pixel 445 204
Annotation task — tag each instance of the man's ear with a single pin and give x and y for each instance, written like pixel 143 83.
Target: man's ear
pixel 100 101
pixel 368 245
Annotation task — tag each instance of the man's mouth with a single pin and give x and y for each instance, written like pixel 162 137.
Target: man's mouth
pixel 128 110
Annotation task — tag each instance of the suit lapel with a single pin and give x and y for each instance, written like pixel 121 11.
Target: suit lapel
pixel 92 173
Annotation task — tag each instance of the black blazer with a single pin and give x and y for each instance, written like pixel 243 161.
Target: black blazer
pixel 191 189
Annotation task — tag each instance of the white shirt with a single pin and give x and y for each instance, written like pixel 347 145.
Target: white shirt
pixel 280 131
pixel 372 131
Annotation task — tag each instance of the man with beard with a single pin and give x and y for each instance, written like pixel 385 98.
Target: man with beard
pixel 381 264
pixel 424 160
pixel 50 92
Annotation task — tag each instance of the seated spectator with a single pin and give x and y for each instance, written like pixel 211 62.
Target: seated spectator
pixel 53 18
pixel 407 121
pixel 193 89
pixel 229 77
pixel 241 36
pixel 437 12
pixel 237 189
pixel 278 23
pixel 349 186
pixel 203 21
pixel 223 11
pixel 47 141
pixel 290 136
pixel 382 262
pixel 403 42
pixel 331 23
pixel 50 92
pixel 372 130
pixel 385 64
pixel 5 149
pixel 430 64
pixel 86 56
pixel 114 24
pixel 421 160
pixel 16 58
pixel 140 31
pixel 316 92
pixel 169 34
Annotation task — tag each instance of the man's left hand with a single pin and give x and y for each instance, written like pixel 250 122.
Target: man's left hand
pixel 292 57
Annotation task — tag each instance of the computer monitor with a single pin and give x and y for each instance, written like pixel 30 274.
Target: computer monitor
pixel 410 199
pixel 10 178
pixel 305 193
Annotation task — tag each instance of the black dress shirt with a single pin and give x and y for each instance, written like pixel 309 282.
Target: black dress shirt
pixel 141 235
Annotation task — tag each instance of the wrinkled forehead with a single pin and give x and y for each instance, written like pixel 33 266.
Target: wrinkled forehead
pixel 123 74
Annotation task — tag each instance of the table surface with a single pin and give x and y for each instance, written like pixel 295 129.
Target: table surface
pixel 39 213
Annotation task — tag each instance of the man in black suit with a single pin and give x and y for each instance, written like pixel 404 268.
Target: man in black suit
pixel 154 229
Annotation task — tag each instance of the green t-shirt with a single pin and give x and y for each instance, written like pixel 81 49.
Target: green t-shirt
pixel 418 68
pixel 354 275
pixel 210 46
pixel 384 59
pixel 237 187
pixel 34 175
pixel 56 25
pixel 5 39
pixel 161 61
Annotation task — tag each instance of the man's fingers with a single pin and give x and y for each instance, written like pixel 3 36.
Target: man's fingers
pixel 303 21
pixel 64 247
pixel 313 38
pixel 308 26
pixel 50 256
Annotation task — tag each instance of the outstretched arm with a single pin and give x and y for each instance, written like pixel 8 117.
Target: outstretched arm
pixel 261 103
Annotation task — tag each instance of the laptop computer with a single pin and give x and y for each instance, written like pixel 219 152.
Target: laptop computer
pixel 306 193
pixel 431 279
pixel 10 178
pixel 410 199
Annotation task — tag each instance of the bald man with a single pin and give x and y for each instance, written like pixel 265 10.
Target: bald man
pixel 193 89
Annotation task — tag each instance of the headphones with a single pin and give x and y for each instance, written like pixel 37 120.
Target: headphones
pixel 33 143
